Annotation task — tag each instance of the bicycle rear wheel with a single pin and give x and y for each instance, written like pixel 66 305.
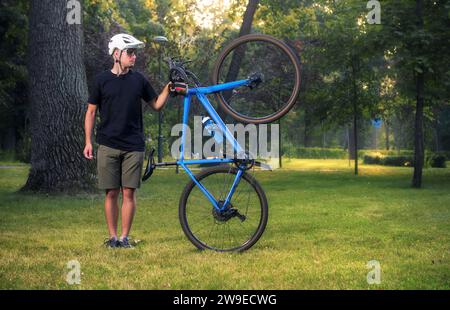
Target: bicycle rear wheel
pixel 235 229
pixel 277 65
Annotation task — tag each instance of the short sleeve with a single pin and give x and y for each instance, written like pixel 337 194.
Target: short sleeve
pixel 148 93
pixel 95 95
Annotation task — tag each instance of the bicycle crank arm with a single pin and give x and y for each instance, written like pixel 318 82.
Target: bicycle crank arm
pixel 170 163
pixel 240 216
pixel 263 166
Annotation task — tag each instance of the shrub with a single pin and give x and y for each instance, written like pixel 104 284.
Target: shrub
pixel 431 160
pixel 437 161
pixel 372 159
pixel 314 152
pixel 400 161
pixel 363 152
pixel 388 160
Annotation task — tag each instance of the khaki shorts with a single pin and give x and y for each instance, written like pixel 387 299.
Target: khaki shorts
pixel 116 168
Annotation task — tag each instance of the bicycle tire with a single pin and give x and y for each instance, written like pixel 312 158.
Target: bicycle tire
pixel 204 206
pixel 269 54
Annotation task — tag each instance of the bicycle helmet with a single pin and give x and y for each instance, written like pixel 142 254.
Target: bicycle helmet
pixel 123 41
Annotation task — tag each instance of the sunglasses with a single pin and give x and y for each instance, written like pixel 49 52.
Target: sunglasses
pixel 131 51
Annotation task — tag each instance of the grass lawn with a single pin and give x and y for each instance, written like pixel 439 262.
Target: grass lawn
pixel 325 225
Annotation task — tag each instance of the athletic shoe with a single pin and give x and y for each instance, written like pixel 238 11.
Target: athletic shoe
pixel 111 243
pixel 125 243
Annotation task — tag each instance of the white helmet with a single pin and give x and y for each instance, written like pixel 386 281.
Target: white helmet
pixel 123 41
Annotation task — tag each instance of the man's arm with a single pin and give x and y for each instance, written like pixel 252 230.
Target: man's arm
pixel 89 121
pixel 158 103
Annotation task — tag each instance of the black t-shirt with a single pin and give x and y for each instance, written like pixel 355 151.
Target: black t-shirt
pixel 119 102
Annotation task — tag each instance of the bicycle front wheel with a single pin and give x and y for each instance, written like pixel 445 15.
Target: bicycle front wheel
pixel 238 227
pixel 270 59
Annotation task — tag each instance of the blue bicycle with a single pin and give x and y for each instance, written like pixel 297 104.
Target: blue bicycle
pixel 256 80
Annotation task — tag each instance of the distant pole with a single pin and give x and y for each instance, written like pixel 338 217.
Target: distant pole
pixel 355 134
pixel 348 146
pixel 376 138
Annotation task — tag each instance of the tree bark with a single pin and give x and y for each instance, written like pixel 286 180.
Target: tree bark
pixel 58 96
pixel 418 135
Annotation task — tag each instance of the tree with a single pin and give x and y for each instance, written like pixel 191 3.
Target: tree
pixel 13 77
pixel 417 35
pixel 58 96
pixel 420 84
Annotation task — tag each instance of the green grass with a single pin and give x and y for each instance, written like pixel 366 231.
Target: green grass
pixel 325 224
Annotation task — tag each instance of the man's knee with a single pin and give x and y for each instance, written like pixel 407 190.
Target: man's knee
pixel 112 193
pixel 128 193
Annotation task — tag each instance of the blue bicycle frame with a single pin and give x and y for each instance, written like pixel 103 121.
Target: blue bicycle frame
pixel 201 93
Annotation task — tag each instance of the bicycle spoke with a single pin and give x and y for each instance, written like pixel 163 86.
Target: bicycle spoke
pixel 276 91
pixel 220 230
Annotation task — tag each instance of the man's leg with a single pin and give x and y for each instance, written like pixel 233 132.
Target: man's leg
pixel 131 180
pixel 112 211
pixel 128 210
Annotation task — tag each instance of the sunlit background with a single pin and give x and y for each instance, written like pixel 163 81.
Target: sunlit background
pixel 210 12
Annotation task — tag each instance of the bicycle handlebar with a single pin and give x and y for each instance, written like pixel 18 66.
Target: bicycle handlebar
pixel 178 71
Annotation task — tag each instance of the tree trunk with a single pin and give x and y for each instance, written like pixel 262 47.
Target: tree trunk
pixel 245 29
pixel 351 141
pixel 307 132
pixel 355 69
pixel 248 17
pixel 418 135
pixel 355 138
pixel 238 55
pixel 58 96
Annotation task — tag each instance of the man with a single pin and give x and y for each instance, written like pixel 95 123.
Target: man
pixel 117 94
